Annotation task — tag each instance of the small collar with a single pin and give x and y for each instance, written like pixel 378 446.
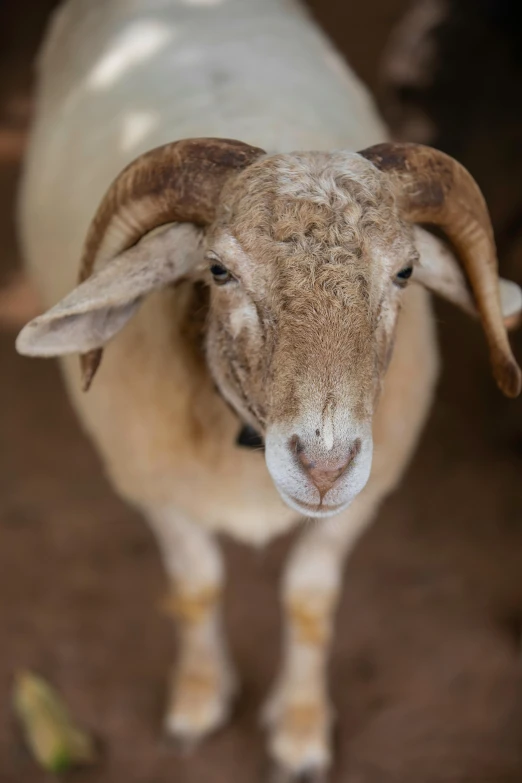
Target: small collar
pixel 249 438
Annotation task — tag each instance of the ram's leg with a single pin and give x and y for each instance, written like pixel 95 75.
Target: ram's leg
pixel 204 681
pixel 298 713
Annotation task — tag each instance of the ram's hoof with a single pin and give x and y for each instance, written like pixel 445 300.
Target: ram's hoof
pixel 279 774
pixel 201 705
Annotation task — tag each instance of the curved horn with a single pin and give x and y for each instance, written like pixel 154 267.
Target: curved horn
pixel 434 188
pixel 178 182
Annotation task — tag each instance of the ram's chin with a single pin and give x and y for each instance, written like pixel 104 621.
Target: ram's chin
pixel 315 510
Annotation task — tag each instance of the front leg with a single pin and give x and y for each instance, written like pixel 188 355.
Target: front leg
pixel 299 714
pixel 204 681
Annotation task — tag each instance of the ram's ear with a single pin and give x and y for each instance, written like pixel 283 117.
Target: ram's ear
pixel 439 270
pixel 98 308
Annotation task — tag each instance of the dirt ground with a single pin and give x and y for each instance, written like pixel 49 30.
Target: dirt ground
pixel 426 671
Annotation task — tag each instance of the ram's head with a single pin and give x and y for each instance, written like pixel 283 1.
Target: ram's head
pixel 307 256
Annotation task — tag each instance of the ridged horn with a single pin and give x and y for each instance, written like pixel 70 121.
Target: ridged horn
pixel 178 182
pixel 434 188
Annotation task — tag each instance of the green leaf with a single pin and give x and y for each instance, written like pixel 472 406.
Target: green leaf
pixel 55 742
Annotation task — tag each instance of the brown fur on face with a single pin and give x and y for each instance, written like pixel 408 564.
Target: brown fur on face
pixel 314 241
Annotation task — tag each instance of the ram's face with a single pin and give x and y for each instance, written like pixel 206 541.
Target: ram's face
pixel 309 255
pixel 309 259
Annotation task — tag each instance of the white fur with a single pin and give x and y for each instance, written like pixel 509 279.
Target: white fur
pixel 136 44
pixel 328 431
pixel 244 317
pixel 510 298
pixel 295 485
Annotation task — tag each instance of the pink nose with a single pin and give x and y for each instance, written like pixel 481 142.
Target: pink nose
pixel 324 473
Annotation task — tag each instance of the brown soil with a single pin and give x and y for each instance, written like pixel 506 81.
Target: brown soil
pixel 426 670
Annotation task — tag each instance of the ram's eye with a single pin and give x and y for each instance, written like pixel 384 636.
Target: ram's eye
pixel 404 275
pixel 220 273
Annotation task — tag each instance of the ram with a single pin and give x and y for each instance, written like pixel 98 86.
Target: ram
pixel 277 282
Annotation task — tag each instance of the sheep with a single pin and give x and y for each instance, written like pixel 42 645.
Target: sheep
pixel 221 285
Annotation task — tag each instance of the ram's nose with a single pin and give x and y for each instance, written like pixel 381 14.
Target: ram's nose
pixel 324 472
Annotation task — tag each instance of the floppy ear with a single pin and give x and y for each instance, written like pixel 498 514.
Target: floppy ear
pixel 99 307
pixel 177 183
pixel 439 270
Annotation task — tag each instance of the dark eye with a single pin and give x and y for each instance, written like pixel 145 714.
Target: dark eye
pixel 220 273
pixel 404 275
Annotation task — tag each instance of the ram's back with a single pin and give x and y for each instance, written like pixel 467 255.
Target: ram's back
pixel 118 77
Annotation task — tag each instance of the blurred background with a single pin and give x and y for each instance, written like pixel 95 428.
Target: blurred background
pixel 426 669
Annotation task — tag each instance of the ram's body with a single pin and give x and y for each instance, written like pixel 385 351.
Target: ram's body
pixel 118 77
pixel 270 289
